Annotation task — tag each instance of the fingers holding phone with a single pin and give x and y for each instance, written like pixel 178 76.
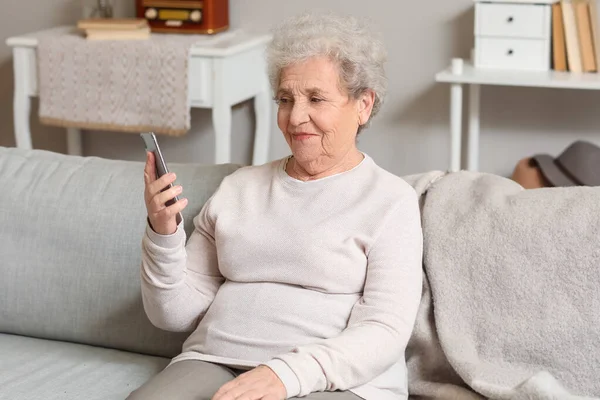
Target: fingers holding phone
pixel 162 203
pixel 149 168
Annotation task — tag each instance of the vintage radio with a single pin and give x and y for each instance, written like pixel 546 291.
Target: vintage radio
pixel 185 16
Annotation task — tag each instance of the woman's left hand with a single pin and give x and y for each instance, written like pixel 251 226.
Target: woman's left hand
pixel 260 383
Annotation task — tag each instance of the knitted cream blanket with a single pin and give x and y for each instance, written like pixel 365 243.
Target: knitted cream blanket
pixel 126 86
pixel 511 301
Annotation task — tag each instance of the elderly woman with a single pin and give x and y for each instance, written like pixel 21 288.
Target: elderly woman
pixel 302 276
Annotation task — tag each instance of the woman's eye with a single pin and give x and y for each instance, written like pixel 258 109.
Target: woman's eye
pixel 283 100
pixel 315 100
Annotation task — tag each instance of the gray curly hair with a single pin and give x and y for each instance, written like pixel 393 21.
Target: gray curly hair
pixel 359 54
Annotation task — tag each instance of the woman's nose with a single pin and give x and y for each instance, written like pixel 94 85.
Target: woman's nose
pixel 299 114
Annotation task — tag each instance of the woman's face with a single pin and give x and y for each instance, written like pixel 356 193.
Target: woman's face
pixel 317 117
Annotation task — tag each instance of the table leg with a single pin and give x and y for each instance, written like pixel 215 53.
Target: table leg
pixel 456 94
pixel 221 115
pixel 22 101
pixel 473 151
pixel 74 146
pixel 262 110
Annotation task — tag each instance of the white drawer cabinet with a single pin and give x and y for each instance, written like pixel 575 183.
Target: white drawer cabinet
pixel 513 34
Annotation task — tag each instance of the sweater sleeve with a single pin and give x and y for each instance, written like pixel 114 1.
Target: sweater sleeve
pixel 179 281
pixel 381 322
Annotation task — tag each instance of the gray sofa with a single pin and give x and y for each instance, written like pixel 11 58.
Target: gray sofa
pixel 72 324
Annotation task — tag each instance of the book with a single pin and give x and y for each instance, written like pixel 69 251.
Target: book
pixel 571 37
pixel 595 30
pixel 105 34
pixel 115 29
pixel 584 32
pixel 559 50
pixel 122 24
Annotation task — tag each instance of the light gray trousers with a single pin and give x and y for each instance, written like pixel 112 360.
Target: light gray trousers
pixel 200 380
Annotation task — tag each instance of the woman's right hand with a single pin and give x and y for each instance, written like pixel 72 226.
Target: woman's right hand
pixel 162 219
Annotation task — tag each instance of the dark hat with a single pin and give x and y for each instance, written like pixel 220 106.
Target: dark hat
pixel 578 165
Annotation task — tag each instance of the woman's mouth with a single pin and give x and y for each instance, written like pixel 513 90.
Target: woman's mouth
pixel 303 136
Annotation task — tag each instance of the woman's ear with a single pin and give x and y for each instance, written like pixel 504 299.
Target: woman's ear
pixel 365 106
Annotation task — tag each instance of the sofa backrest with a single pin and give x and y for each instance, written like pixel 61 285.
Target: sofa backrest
pixel 70 247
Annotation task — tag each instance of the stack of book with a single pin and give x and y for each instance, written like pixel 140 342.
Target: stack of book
pixel 115 29
pixel 575 36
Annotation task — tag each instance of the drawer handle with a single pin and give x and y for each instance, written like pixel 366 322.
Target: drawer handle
pixel 510 19
pixel 510 52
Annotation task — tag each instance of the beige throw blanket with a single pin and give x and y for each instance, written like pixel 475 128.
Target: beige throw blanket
pixel 511 302
pixel 127 86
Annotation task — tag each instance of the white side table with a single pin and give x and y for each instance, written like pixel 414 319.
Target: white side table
pixel 221 75
pixel 463 73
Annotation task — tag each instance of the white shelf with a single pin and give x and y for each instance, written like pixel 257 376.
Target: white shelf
pixel 549 79
pixel 518 1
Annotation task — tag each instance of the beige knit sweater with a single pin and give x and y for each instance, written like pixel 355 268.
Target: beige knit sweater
pixel 319 280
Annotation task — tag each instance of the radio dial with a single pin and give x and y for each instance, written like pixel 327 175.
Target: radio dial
pixel 196 15
pixel 151 13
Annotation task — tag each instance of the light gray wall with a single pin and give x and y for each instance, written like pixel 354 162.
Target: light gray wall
pixel 410 135
pixel 20 17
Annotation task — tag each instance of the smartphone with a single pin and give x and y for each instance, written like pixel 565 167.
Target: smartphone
pixel 161 167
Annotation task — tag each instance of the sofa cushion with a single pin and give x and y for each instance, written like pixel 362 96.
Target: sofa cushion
pixel 32 369
pixel 70 247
